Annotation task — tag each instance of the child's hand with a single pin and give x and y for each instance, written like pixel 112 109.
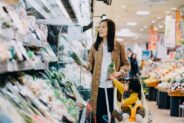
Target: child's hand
pixel 111 77
pixel 122 104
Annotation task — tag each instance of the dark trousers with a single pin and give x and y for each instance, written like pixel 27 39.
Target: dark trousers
pixel 101 103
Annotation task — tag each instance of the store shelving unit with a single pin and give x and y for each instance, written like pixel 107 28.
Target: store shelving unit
pixel 27 58
pixel 23 66
pixel 38 44
pixel 16 66
pixel 56 17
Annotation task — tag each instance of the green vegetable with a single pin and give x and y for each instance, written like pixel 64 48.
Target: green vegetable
pixel 75 57
pixel 111 68
pixel 30 54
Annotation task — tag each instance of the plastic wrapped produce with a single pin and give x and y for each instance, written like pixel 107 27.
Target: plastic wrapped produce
pixel 80 76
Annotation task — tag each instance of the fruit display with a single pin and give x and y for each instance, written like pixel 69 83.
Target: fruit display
pixel 166 77
pixel 177 86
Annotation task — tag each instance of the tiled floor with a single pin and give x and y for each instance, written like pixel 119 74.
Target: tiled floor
pixel 162 115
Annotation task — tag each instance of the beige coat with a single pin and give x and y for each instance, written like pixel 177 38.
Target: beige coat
pixel 94 64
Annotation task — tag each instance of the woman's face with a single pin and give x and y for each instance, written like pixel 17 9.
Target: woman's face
pixel 103 29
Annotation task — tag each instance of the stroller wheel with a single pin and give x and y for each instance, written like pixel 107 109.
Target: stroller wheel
pixel 150 118
pixel 105 118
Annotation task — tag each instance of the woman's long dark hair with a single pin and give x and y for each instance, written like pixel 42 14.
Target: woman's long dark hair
pixel 110 35
pixel 135 86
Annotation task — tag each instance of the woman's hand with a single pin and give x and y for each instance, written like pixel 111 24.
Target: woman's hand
pixel 85 66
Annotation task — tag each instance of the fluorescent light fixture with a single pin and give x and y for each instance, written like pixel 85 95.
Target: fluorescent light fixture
pixel 153 21
pixel 159 17
pixel 123 6
pixel 125 30
pixel 167 12
pixel 143 13
pixel 117 16
pixel 160 26
pixel 135 38
pixel 131 23
pixel 141 29
pixel 174 8
pixel 157 1
pixel 145 27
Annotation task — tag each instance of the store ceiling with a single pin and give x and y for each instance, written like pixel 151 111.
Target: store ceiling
pixel 124 11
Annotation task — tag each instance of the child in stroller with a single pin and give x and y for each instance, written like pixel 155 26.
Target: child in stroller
pixel 131 108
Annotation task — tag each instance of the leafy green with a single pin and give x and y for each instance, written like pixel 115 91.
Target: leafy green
pixel 111 68
pixel 75 57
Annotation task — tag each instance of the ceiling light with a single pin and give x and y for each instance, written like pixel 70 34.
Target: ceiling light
pixel 174 8
pixel 160 26
pixel 157 1
pixel 117 16
pixel 131 23
pixel 126 33
pixel 167 12
pixel 159 18
pixel 143 12
pixel 145 27
pixel 153 21
pixel 123 6
pixel 135 38
pixel 125 30
pixel 141 29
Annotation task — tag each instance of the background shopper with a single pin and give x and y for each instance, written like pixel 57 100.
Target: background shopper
pixel 134 71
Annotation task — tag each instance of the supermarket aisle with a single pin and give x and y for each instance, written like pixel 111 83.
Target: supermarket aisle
pixel 162 115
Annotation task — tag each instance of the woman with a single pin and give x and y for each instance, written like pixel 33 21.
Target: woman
pixel 105 51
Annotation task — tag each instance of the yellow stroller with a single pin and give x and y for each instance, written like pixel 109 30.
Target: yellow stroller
pixel 133 109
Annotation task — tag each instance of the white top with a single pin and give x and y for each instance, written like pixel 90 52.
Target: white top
pixel 106 61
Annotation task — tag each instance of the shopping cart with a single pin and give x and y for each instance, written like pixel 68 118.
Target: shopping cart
pixel 117 106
